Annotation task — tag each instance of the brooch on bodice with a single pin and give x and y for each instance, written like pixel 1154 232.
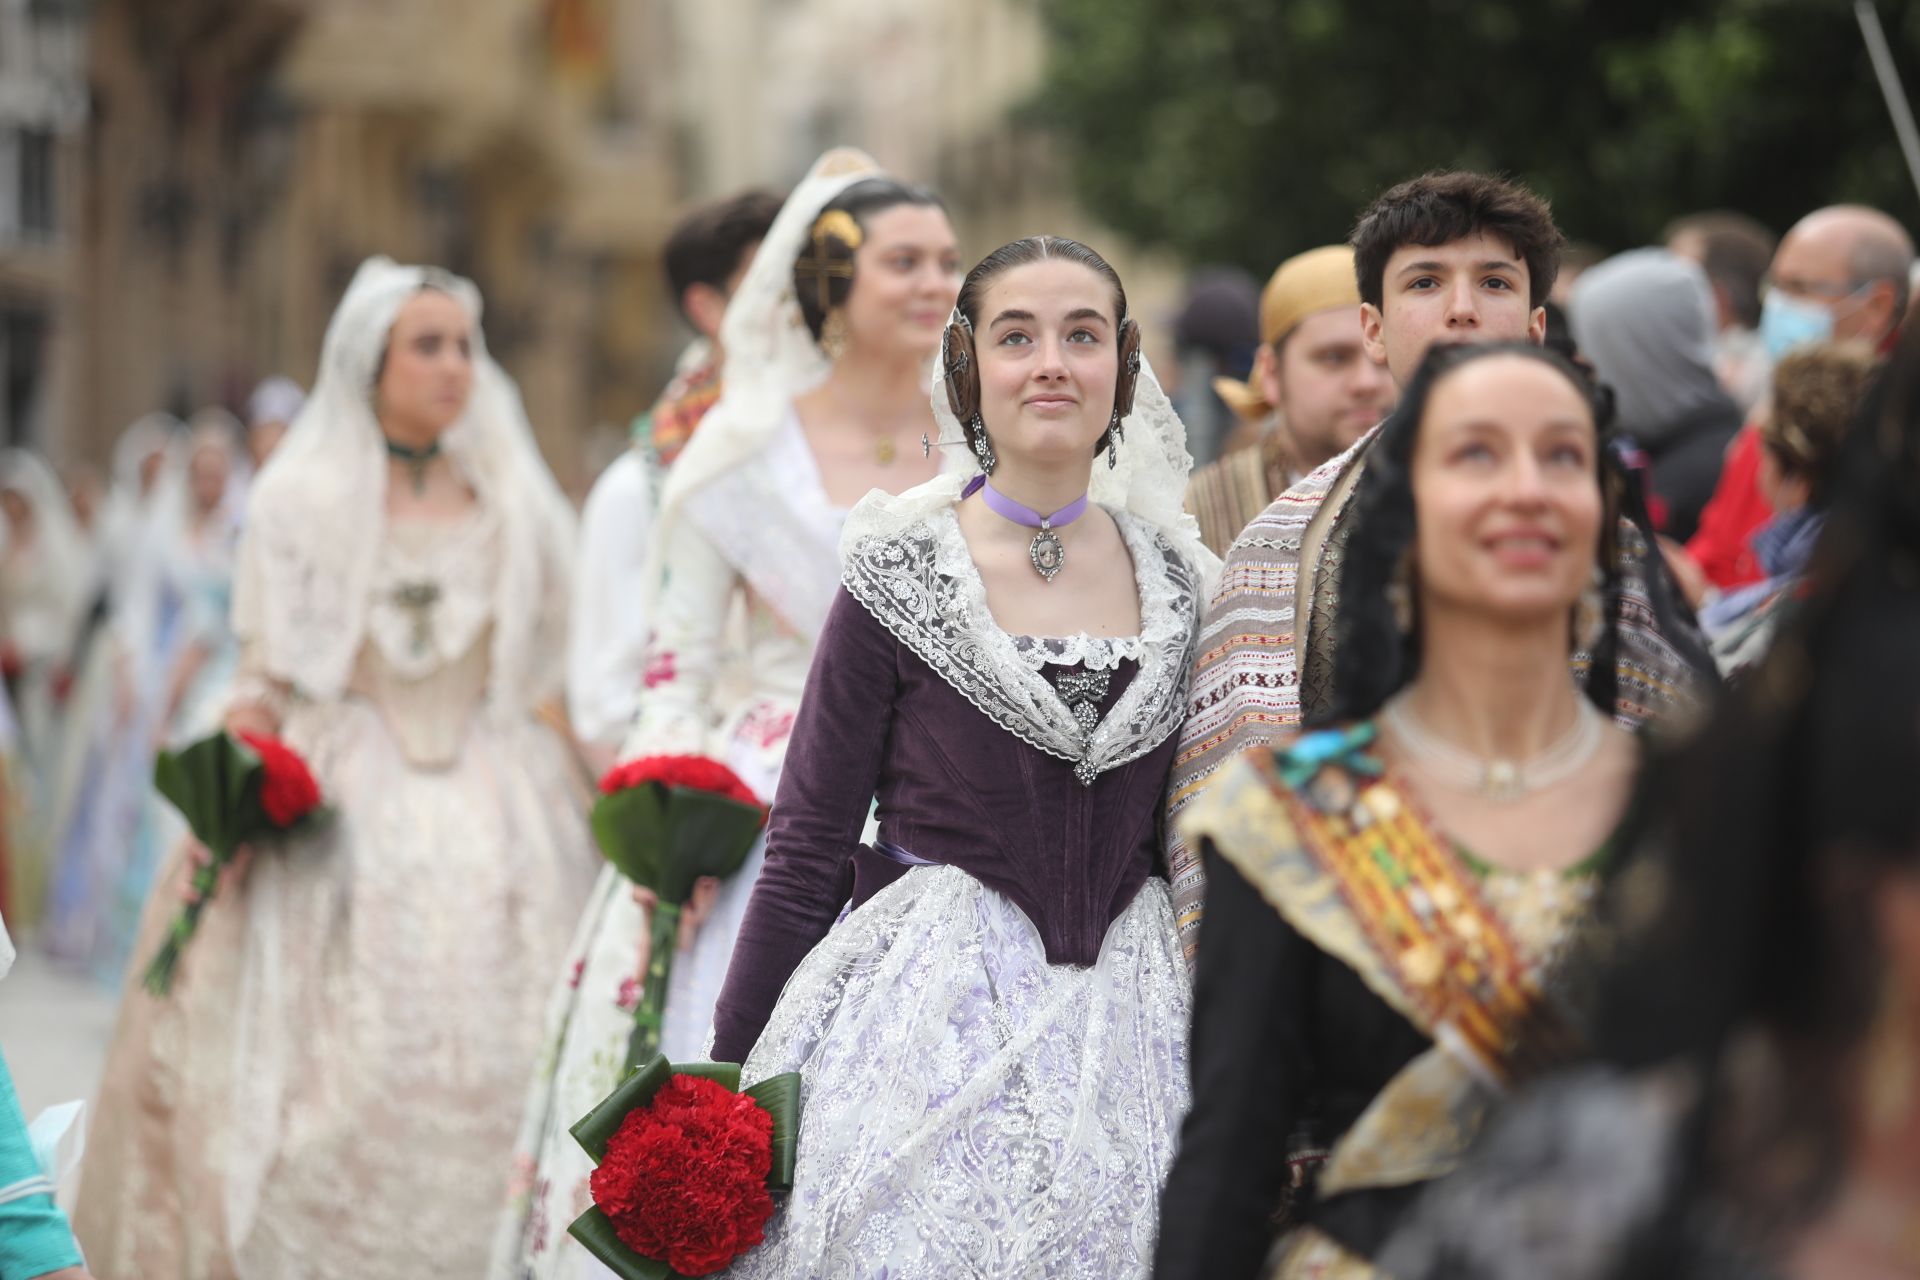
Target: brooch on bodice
pixel 1083 691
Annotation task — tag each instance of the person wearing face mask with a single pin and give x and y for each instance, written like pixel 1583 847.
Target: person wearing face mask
pixel 1842 273
pixel 1314 390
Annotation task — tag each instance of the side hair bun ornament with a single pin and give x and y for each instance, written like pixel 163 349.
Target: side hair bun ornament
pixel 839 224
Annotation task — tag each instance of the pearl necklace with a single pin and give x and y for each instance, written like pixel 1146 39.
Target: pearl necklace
pixel 1500 780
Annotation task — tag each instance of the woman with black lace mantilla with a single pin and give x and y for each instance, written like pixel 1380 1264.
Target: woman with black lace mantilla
pixel 993 1039
pixel 1389 893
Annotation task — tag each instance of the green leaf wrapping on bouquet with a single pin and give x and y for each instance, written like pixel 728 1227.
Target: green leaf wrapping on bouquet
pixel 594 1230
pixel 779 1097
pixel 595 1130
pixel 667 838
pixel 215 784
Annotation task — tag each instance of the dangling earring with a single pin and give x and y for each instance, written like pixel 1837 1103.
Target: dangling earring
pixel 1590 614
pixel 834 335
pixel 1400 595
pixel 983 447
pixel 1116 434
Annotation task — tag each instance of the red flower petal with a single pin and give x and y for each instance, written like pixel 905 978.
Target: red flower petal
pixel 684 1179
pixel 288 791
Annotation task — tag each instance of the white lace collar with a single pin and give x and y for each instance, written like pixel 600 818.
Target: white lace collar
pixel 922 585
pixel 1094 653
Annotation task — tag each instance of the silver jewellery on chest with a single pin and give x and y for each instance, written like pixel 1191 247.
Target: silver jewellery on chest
pixel 1502 781
pixel 1083 692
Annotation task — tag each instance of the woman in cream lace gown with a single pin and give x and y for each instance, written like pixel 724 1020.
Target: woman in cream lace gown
pixel 42 598
pixel 824 400
pixel 330 1089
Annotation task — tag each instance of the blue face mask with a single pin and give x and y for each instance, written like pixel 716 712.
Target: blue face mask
pixel 1787 322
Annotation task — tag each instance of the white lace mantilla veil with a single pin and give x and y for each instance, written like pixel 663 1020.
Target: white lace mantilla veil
pixel 57 533
pixel 316 515
pixel 1148 478
pixel 771 358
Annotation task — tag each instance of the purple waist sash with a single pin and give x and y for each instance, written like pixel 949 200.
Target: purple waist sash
pixel 878 865
pixel 897 854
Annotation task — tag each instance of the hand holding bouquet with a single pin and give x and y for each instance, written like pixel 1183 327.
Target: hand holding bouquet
pixel 664 822
pixel 233 792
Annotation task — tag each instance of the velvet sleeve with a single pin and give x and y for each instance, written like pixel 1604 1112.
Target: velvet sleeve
pixel 1249 1064
pixel 826 791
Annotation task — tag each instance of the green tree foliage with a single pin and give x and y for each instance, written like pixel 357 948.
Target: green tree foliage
pixel 1245 130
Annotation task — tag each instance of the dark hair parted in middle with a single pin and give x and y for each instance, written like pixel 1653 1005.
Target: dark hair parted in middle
pixel 823 274
pixel 1444 206
pixel 1373 658
pixel 1033 249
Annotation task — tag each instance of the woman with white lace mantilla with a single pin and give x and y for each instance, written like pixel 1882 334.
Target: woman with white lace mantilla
pixel 330 1088
pixel 829 341
pixel 993 1040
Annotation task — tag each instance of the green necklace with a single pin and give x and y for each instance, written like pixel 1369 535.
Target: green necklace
pixel 417 461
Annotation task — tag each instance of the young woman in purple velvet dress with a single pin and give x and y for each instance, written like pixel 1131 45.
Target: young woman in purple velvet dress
pixel 994 1037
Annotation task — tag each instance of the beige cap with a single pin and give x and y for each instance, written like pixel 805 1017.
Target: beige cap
pixel 1305 285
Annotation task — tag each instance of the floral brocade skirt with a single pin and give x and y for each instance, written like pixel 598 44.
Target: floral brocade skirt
pixel 971 1110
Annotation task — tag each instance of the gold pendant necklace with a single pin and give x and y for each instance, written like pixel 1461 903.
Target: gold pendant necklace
pixel 883 451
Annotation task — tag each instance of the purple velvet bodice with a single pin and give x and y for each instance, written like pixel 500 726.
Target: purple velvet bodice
pixel 954 785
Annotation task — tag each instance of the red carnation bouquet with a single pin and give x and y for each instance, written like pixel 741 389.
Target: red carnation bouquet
pixel 232 792
pixel 688 1165
pixel 664 822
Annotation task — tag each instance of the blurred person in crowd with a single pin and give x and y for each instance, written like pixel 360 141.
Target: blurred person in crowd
pixel 103 780
pixel 36 1242
pixel 1445 257
pixel 1748 1104
pixel 329 1090
pixel 1388 893
pixel 828 341
pixel 1313 391
pixel 705 258
pixel 1842 272
pixel 1815 397
pixel 197 544
pixel 1576 259
pixel 271 409
pixel 1645 320
pixel 86 492
pixel 1734 251
pixel 43 583
pixel 1215 336
pixel 43 567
